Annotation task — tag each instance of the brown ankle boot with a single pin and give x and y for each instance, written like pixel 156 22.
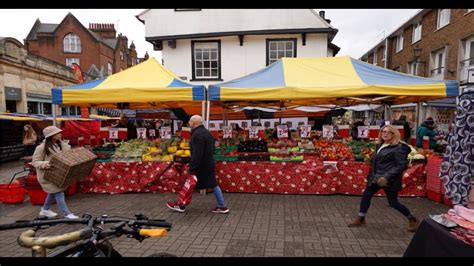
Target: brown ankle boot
pixel 412 224
pixel 359 221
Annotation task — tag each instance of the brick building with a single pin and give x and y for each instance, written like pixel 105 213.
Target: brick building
pixel 434 43
pixel 98 49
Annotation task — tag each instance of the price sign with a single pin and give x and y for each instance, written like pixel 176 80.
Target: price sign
pixel 328 132
pixel 113 133
pixel 253 132
pixel 227 132
pixel 151 133
pixel 363 132
pixel 305 131
pixel 165 132
pixel 282 131
pixel 141 133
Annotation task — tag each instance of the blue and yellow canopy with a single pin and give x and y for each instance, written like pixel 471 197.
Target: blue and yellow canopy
pixel 146 85
pixel 341 80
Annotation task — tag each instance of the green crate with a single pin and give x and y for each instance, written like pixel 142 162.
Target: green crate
pixel 230 158
pixel 229 148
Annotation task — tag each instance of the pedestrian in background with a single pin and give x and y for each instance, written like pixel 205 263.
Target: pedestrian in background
pixel 402 121
pixel 30 139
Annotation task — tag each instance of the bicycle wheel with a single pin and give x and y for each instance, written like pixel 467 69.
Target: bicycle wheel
pixel 105 250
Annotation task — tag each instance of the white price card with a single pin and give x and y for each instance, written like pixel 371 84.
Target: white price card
pixel 227 132
pixel 328 132
pixel 113 133
pixel 165 132
pixel 253 132
pixel 305 131
pixel 282 131
pixel 363 132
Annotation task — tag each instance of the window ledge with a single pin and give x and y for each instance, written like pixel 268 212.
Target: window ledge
pixel 204 79
pixel 417 41
pixel 468 12
pixel 442 27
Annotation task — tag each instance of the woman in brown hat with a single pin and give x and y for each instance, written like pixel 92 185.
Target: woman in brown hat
pixel 52 144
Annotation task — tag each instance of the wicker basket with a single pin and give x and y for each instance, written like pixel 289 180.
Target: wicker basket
pixel 70 166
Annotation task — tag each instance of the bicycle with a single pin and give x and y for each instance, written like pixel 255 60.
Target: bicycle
pixel 91 241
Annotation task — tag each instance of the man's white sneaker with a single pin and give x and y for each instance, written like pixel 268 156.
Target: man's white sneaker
pixel 47 213
pixel 71 216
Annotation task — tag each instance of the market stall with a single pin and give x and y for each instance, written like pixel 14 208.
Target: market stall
pixel 147 85
pixel 257 160
pixel 293 82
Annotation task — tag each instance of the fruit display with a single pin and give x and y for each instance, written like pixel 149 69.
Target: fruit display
pixel 306 145
pixel 252 146
pixel 418 155
pixel 362 151
pixel 299 158
pixel 283 146
pixel 332 150
pixel 131 150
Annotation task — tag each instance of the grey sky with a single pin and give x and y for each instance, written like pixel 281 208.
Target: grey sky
pixel 362 29
pixel 359 29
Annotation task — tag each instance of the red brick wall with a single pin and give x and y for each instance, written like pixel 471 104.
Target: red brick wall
pixel 461 26
pixel 92 51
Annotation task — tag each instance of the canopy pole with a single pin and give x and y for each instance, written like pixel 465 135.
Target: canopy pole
pixel 208 113
pixel 54 114
pixel 203 110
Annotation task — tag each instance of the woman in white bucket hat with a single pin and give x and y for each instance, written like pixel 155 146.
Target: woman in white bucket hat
pixel 52 144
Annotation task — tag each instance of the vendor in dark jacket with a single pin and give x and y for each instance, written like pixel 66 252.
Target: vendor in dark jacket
pixel 202 164
pixel 388 163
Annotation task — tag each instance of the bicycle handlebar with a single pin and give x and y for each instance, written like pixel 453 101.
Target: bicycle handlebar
pixel 35 223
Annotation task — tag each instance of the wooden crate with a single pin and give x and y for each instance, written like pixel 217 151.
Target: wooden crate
pixel 70 166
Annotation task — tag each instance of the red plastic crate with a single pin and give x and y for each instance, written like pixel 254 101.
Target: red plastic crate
pixel 37 195
pixel 433 182
pixel 438 197
pixel 71 190
pixel 13 193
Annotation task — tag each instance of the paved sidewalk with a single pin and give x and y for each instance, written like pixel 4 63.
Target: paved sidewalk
pixel 258 225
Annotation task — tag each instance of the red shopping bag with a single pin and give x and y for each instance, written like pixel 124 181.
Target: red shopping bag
pixel 184 197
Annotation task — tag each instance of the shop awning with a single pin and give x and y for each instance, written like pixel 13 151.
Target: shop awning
pixel 338 80
pixel 146 85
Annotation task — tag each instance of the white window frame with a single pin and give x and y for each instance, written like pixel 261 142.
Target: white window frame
pixel 121 55
pixel 72 43
pixel 399 43
pixel 375 57
pixel 469 10
pixel 384 51
pixel 438 64
pixel 282 49
pixel 70 61
pixel 110 69
pixel 206 64
pixel 467 57
pixel 444 14
pixel 417 29
pixel 413 68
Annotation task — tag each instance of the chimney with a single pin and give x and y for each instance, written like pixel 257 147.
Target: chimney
pixel 105 30
pixel 321 14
